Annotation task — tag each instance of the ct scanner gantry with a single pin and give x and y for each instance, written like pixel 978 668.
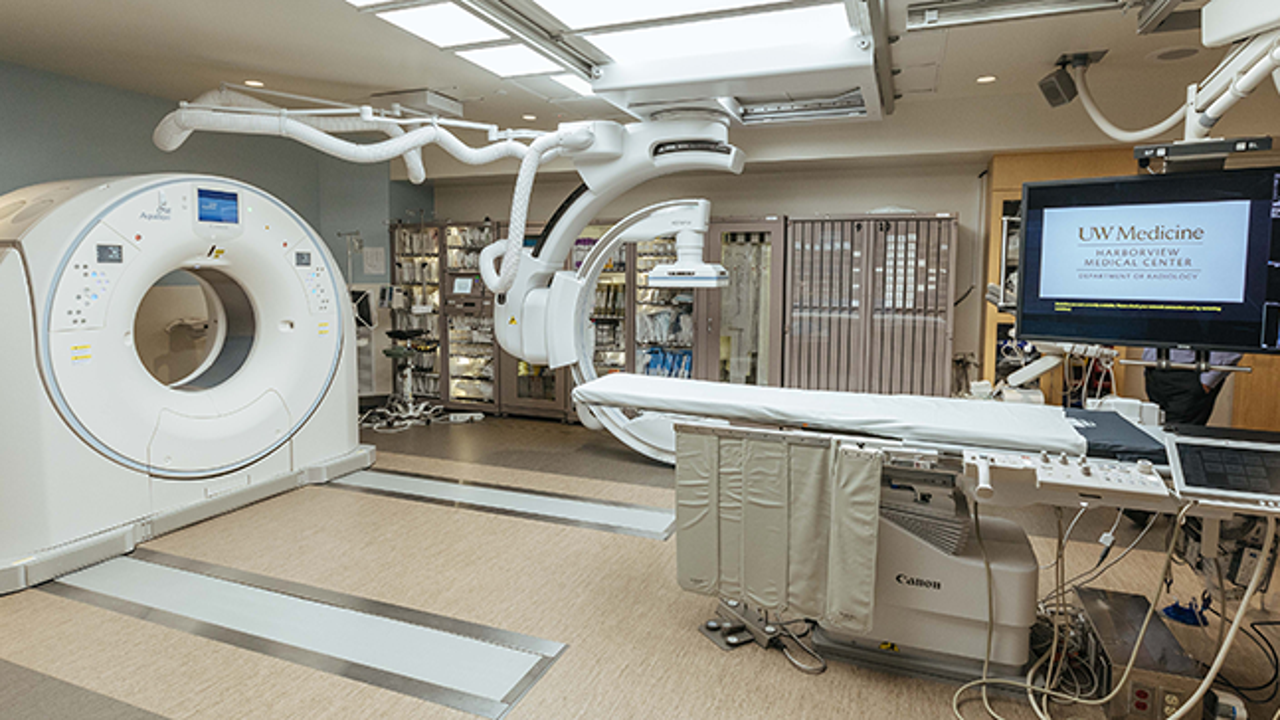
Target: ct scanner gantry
pixel 96 454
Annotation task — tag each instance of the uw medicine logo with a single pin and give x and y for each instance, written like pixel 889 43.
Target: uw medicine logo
pixel 1133 233
pixel 162 212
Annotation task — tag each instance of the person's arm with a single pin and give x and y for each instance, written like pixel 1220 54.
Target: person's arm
pixel 1212 378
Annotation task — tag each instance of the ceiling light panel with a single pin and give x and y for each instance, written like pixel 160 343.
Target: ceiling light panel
pixel 759 31
pixel 510 60
pixel 580 14
pixel 364 3
pixel 574 83
pixel 443 25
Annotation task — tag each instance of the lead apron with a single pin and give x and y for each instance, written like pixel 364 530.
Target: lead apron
pixel 788 527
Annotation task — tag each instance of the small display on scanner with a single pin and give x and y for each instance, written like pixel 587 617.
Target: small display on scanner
pixel 302 259
pixel 110 254
pixel 1229 470
pixel 218 207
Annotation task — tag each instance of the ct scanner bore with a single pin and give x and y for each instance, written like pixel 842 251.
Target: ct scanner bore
pixel 92 440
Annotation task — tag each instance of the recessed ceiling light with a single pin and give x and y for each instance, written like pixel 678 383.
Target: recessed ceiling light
pixel 443 25
pixel 1174 54
pixel 579 14
pixel 819 24
pixel 987 79
pixel 510 60
pixel 574 83
pixel 254 83
pixel 529 118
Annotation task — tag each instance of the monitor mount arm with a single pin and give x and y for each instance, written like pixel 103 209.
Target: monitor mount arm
pixel 1201 364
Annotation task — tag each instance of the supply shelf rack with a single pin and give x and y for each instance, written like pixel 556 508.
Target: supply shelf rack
pixel 468 352
pixel 415 302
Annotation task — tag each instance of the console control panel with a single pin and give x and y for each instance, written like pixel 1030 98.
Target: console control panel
pixel 1018 479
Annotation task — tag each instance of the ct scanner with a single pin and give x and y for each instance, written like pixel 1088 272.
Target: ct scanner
pixel 97 454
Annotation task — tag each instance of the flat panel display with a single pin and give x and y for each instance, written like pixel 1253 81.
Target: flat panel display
pixel 216 206
pixel 113 254
pixel 1229 470
pixel 1187 260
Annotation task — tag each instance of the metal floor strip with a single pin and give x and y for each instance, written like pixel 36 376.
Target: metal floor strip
pixel 622 518
pixel 462 665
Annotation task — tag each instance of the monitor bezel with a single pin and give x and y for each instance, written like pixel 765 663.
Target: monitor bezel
pixel 1125 342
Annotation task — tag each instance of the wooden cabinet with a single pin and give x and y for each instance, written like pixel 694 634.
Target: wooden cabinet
pixel 1254 396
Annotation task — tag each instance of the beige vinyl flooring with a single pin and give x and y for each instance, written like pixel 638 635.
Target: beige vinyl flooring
pixel 634 650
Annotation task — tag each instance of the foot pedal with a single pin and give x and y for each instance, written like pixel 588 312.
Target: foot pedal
pixel 727 635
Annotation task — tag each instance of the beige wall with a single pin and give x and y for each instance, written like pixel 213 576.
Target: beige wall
pixel 796 190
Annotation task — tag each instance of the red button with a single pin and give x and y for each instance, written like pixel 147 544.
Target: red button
pixel 1139 705
pixel 1141 693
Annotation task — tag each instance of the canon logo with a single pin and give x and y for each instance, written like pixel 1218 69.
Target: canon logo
pixel 905 579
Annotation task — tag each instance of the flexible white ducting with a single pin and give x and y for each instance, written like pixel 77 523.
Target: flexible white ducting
pixel 179 124
pixel 169 135
pixel 512 247
pixel 313 131
pixel 1125 136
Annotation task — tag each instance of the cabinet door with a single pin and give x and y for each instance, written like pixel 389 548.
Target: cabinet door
pixel 528 389
pixel 826 331
pixel 739 327
pixel 911 305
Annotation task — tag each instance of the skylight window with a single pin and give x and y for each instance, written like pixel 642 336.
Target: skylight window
pixel 580 14
pixel 510 60
pixel 443 25
pixel 574 83
pixel 760 31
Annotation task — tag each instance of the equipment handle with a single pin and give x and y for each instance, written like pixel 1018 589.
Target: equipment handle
pixel 489 263
pixel 984 489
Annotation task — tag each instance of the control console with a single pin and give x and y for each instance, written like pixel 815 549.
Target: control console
pixel 1019 479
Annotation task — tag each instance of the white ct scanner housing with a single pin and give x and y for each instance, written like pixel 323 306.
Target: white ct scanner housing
pixel 96 454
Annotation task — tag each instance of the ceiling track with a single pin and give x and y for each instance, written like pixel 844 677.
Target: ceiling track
pixel 540 39
pixel 939 14
pixel 701 16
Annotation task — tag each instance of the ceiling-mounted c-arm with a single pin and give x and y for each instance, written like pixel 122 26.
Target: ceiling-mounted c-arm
pixel 523 322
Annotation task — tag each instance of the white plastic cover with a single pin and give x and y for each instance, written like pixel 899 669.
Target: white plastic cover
pixel 949 421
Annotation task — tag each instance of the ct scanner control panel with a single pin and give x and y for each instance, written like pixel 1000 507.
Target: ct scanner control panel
pixel 87 285
pixel 314 279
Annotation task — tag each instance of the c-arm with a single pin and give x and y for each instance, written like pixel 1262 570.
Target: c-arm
pixel 610 158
